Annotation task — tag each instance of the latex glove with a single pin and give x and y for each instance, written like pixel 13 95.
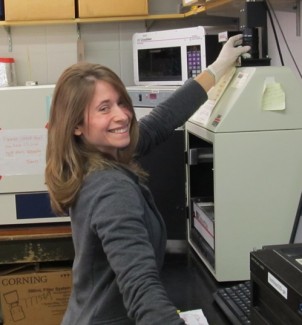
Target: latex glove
pixel 228 55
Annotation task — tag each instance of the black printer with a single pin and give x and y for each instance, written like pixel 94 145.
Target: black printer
pixel 276 285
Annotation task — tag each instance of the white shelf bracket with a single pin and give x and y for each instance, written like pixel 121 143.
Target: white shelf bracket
pixel 80 45
pixel 149 24
pixel 9 38
pixel 79 31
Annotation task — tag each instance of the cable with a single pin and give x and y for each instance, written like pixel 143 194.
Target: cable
pixel 269 9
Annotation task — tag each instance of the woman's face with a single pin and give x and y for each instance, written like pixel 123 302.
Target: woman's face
pixel 106 120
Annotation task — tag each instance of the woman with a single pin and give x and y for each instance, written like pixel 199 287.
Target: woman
pixel 118 234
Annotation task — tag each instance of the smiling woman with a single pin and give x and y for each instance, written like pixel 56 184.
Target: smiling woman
pixel 79 111
pixel 119 236
pixel 107 120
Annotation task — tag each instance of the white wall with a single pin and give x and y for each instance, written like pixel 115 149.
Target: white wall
pixel 43 52
pixel 290 35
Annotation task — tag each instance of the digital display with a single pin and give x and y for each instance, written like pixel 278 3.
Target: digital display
pixel 160 64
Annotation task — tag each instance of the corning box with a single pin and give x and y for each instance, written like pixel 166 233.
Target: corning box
pixel 16 10
pixel 112 8
pixel 35 297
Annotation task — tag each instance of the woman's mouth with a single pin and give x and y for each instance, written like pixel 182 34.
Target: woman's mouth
pixel 119 130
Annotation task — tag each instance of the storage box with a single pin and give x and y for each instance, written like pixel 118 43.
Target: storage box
pixel 112 8
pixel 17 10
pixel 203 220
pixel 32 298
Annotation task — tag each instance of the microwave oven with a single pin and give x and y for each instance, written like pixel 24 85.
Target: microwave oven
pixel 170 57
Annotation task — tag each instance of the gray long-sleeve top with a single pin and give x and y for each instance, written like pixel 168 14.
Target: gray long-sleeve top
pixel 120 237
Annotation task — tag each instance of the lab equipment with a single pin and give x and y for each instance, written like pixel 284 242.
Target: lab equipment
pixel 23 134
pixel 252 123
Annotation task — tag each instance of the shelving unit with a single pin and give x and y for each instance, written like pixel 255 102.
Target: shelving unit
pixel 214 7
pixel 78 21
pixel 101 20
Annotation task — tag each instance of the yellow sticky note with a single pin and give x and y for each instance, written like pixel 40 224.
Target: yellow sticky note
pixel 273 98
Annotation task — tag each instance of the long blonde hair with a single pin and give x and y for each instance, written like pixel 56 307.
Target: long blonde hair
pixel 68 157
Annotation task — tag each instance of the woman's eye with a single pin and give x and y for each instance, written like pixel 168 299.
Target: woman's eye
pixel 103 108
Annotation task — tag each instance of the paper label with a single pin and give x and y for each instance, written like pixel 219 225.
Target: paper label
pixel 277 285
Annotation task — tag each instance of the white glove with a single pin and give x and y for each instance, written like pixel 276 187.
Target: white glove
pixel 228 55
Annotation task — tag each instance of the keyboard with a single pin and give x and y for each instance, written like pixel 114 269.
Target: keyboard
pixel 235 302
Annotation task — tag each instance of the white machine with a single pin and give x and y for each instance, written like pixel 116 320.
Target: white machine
pixel 244 167
pixel 145 98
pixel 23 134
pixel 170 57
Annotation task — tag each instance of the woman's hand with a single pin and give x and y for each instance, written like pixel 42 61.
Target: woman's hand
pixel 228 55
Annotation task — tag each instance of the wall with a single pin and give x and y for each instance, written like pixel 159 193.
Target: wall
pixel 289 39
pixel 43 52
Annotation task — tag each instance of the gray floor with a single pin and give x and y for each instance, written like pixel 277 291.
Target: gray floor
pixel 190 285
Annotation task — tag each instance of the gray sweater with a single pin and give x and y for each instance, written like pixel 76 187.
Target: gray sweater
pixel 120 237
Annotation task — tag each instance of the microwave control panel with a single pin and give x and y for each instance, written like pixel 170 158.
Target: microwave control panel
pixel 194 60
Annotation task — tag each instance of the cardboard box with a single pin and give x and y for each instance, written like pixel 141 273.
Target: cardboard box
pixel 16 10
pixel 112 8
pixel 32 298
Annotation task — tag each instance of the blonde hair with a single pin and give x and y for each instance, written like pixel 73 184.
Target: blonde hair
pixel 70 158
